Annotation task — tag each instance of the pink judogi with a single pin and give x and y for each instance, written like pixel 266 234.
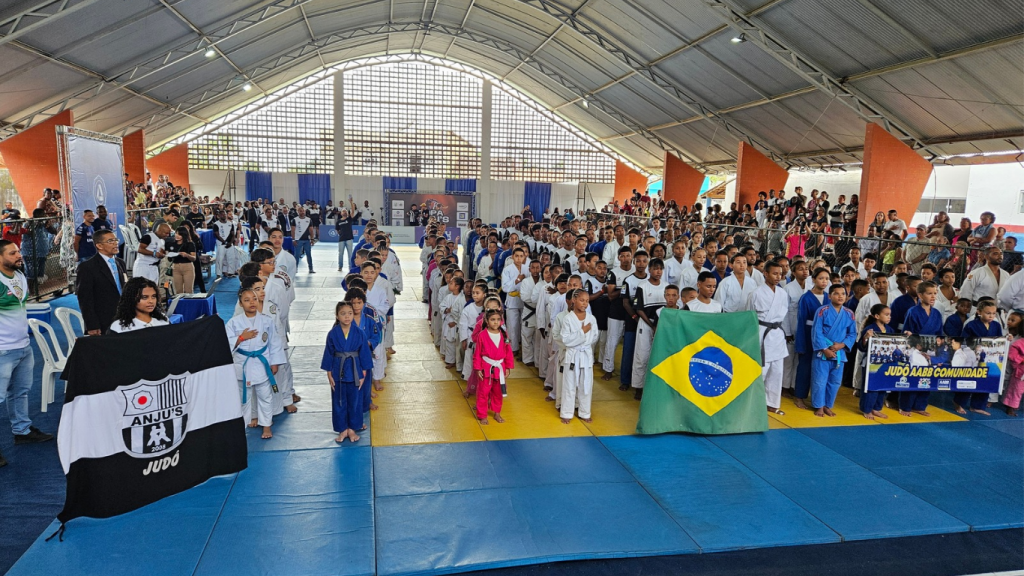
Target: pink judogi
pixel 492 360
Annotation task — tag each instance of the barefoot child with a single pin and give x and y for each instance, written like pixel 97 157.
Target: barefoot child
pixel 346 360
pixel 1014 363
pixel 493 362
pixel 372 327
pixel 807 307
pixel 871 403
pixel 833 333
pixel 578 333
pixel 984 325
pixel 451 308
pixel 257 353
pixel 922 320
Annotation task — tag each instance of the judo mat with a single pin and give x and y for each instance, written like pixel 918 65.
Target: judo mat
pixel 430 490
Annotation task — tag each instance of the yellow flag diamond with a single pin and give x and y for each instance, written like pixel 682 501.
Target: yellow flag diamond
pixel 710 372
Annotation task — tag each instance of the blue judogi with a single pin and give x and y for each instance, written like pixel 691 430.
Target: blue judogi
pixel 976 329
pixel 372 326
pixel 899 308
pixel 923 324
pixel 807 306
pixel 954 326
pixel 346 358
pixel 597 247
pixel 830 326
pixel 871 401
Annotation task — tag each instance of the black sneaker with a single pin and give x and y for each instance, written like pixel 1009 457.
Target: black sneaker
pixel 312 271
pixel 2 461
pixel 34 435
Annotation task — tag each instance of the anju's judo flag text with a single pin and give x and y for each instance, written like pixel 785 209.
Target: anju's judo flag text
pixel 705 375
pixel 148 414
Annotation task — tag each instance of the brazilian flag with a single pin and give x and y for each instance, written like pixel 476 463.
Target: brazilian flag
pixel 704 375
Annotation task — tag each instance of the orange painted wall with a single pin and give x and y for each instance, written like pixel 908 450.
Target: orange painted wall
pixel 893 178
pixel 682 182
pixel 755 172
pixel 173 163
pixel 31 156
pixel 133 146
pixel 626 179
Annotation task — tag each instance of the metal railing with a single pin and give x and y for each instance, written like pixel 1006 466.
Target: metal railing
pixel 40 240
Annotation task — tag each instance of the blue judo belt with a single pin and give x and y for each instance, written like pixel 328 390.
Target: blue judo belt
pixel 266 366
pixel 355 365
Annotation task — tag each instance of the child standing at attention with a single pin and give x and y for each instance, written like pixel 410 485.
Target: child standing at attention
pixel 493 362
pixel 984 325
pixel 1014 363
pixel 257 352
pixel 451 308
pixel 578 331
pixel 346 360
pixel 833 333
pixel 871 403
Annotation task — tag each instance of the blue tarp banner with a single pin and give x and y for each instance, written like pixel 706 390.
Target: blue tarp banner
pixel 97 173
pixel 315 187
pixel 399 183
pixel 460 186
pixel 259 185
pixel 930 364
pixel 537 195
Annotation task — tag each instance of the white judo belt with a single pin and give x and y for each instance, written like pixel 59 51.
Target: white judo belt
pixel 499 366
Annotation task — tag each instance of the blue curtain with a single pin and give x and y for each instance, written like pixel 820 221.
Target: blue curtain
pixel 396 183
pixel 315 187
pixel 259 185
pixel 464 185
pixel 537 195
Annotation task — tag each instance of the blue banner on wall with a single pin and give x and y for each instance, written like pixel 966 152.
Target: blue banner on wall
pixel 935 364
pixel 97 177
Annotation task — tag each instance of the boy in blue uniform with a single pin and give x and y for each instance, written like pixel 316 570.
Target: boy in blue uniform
pixel 984 325
pixel 833 334
pixel 921 320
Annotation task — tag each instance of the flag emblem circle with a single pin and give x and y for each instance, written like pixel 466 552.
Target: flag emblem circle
pixel 710 372
pixel 142 400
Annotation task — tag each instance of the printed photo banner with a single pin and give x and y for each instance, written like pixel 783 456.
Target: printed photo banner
pixel 455 210
pixel 935 364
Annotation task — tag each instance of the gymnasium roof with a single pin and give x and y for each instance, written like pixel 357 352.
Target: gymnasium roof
pixel 642 76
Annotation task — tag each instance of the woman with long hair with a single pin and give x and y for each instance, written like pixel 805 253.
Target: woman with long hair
pixel 139 307
pixel 963 233
pixel 198 282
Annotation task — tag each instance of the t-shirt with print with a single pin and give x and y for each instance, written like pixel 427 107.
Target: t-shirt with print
pixel 13 313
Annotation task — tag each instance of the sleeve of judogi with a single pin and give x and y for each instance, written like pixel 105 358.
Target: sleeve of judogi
pixel 275 350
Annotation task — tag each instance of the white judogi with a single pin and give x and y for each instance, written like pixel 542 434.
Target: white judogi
pixel 257 382
pixel 648 297
pixel 732 296
pixel 688 277
pixel 611 252
pixel 149 266
pixel 136 325
pixel 467 323
pixel 1011 294
pixel 271 224
pixel 794 291
pixel 451 309
pixel 981 282
pixel 555 366
pixel 379 297
pixel 227 256
pixel 278 294
pixel 696 305
pixel 527 293
pixel 285 262
pixel 510 284
pixel 772 307
pixel 485 270
pixel 556 304
pixel 944 305
pixel 392 269
pixel 540 343
pixel 437 293
pixel 578 364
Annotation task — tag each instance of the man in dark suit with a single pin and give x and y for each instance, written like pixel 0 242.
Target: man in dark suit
pixel 100 280
pixel 252 216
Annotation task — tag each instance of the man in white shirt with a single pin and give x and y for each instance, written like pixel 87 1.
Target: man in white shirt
pixel 527 293
pixel 151 251
pixel 366 213
pixel 511 278
pixel 611 248
pixel 704 302
pixel 987 280
pixel 267 223
pixel 895 225
pixel 677 264
pixel 771 303
pixel 301 234
pixel 735 290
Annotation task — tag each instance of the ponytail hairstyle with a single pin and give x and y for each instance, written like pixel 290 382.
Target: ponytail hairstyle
pixel 873 315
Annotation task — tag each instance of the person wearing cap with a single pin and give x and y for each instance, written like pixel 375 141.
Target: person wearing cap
pixel 916 250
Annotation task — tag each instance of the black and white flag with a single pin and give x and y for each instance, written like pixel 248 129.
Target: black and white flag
pixel 148 414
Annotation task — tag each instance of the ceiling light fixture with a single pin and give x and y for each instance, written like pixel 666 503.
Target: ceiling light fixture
pixel 210 53
pixel 739 39
pixel 585 103
pixel 247 86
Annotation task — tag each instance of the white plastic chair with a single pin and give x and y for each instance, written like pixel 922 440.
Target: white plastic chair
pixel 173 304
pixel 53 358
pixel 64 316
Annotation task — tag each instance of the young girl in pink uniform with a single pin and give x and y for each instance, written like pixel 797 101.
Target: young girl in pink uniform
pixel 492 362
pixel 1014 364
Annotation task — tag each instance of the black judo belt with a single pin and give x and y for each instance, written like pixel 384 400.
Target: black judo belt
pixel 769 326
pixel 532 312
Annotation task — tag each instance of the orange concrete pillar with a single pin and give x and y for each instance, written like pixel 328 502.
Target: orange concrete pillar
pixel 31 156
pixel 133 148
pixel 755 173
pixel 893 177
pixel 682 182
pixel 626 180
pixel 173 163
